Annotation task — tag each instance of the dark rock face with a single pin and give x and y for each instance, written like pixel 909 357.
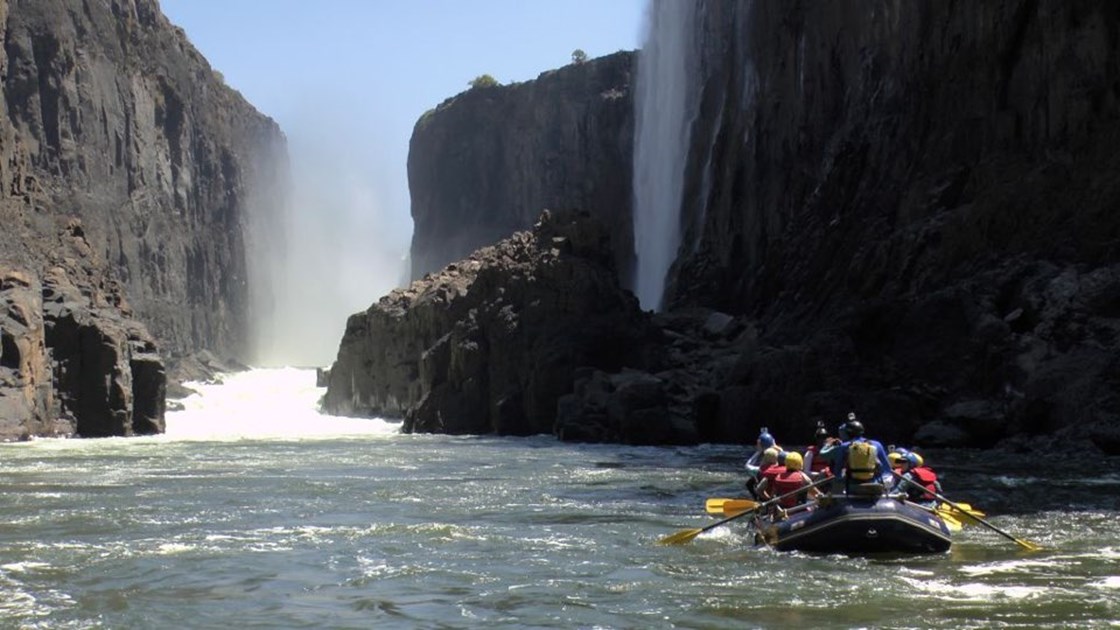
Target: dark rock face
pixel 73 359
pixel 902 209
pixel 489 344
pixel 561 141
pixel 113 117
pixel 26 394
pixel 127 168
pixel 916 202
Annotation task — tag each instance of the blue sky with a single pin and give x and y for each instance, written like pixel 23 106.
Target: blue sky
pixel 347 80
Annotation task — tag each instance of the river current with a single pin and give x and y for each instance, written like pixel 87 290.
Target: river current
pixel 255 511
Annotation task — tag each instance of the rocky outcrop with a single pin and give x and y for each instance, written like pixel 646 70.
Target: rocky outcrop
pixel 26 393
pixel 490 343
pixel 73 361
pixel 916 203
pixel 128 176
pixel 561 141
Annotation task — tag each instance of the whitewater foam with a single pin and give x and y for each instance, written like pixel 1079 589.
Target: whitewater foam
pixel 265 403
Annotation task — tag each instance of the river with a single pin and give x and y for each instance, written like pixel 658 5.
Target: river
pixel 254 510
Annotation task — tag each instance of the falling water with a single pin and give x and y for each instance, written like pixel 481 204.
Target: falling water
pixel 664 108
pixel 329 247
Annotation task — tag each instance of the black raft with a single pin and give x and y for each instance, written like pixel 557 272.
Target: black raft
pixel 846 524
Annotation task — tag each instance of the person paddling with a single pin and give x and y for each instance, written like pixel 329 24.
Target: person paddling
pixel 754 463
pixel 858 460
pixel 915 470
pixel 790 479
pixel 771 467
pixel 816 463
pixel 896 457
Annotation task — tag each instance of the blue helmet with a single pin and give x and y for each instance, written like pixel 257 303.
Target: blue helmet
pixel 765 439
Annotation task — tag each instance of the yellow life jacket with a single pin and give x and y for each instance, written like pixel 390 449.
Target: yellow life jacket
pixel 863 460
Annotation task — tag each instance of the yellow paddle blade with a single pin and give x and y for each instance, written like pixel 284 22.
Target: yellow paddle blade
pixel 946 511
pixel 715 506
pixel 953 524
pixel 729 507
pixel 967 508
pixel 681 537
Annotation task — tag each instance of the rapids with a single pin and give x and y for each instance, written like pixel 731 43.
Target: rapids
pixel 255 510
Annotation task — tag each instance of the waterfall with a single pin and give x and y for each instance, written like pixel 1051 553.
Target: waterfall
pixel 328 246
pixel 665 104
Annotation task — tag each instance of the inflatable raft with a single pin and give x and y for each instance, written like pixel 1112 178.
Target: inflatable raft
pixel 844 524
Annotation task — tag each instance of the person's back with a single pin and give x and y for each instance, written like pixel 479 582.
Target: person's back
pixel 860 460
pixel 791 479
pixel 816 462
pixel 769 469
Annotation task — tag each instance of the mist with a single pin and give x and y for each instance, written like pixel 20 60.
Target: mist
pixel 338 242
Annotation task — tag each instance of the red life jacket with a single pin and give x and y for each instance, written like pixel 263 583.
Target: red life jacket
pixel 770 472
pixel 818 463
pixel 925 476
pixel 790 481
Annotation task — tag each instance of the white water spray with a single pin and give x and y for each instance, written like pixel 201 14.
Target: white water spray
pixel 664 108
pixel 337 249
pixel 264 404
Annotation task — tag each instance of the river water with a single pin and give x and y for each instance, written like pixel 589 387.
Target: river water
pixel 254 510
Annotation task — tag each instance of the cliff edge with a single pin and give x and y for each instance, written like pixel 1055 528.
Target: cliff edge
pixel 484 164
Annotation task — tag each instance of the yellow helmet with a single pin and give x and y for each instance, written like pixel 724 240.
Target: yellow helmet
pixel 915 460
pixel 895 458
pixel 794 461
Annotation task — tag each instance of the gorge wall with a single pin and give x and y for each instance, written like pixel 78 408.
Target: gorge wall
pixel 906 209
pixel 916 202
pixel 484 163
pixel 129 173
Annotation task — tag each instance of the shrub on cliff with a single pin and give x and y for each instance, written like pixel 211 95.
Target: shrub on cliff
pixel 483 81
pixel 578 56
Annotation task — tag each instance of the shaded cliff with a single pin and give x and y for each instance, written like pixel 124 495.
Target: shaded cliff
pixel 483 164
pixel 902 208
pixel 917 202
pixel 129 173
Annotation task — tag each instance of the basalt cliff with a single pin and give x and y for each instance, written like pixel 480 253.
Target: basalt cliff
pixel 561 141
pixel 128 176
pixel 906 209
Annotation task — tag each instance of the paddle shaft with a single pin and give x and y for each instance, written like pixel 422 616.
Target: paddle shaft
pixel 1023 543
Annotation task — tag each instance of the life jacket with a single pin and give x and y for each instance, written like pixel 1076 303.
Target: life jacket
pixel 790 481
pixel 863 460
pixel 771 472
pixel 925 477
pixel 818 463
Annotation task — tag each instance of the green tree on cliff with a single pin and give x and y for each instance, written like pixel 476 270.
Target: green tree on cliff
pixel 578 56
pixel 483 81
